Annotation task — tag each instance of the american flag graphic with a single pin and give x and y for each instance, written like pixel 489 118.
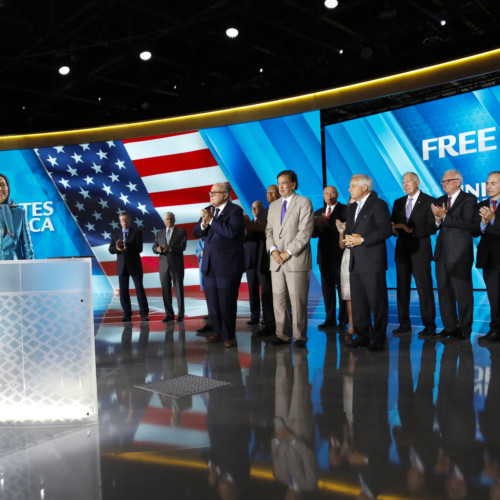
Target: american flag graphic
pixel 145 177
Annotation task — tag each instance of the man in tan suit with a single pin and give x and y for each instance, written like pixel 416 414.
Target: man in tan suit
pixel 290 224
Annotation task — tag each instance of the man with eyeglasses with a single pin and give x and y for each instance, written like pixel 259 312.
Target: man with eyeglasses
pixel 222 228
pixel 290 224
pixel 455 216
pixel 488 252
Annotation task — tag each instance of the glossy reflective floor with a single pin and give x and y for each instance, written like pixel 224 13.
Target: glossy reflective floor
pixel 416 421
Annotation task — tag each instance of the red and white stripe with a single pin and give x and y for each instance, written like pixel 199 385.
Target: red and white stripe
pixel 178 171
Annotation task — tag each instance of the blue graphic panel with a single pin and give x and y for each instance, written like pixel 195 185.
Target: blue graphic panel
pixel 460 132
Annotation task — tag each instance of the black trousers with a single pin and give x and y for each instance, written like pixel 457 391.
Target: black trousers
pixel 266 289
pixel 166 280
pixel 491 275
pixel 253 293
pixel 330 287
pixel 124 281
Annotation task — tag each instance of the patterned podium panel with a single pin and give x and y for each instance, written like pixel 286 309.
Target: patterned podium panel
pixel 47 359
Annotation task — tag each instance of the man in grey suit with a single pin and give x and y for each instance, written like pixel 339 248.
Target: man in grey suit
pixel 170 244
pixel 290 224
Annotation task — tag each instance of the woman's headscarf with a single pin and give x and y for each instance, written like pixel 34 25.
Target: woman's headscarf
pixel 6 225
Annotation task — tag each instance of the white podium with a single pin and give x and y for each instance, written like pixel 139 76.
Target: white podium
pixel 47 356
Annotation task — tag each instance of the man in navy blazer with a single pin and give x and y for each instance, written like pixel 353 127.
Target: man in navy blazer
pixel 413 224
pixel 170 244
pixel 126 244
pixel 368 226
pixel 222 227
pixel 456 216
pixel 488 252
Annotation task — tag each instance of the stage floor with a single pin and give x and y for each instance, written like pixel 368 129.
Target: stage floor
pixel 416 421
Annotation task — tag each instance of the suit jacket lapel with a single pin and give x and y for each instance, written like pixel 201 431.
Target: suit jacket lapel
pixel 363 209
pixel 458 201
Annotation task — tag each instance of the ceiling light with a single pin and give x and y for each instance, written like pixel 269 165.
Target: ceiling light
pixel 64 70
pixel 341 51
pixel 232 32
pixel 261 70
pixel 145 55
pixel 331 4
pixel 442 22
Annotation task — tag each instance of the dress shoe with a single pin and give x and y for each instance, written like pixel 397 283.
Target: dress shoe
pixel 267 330
pixel 144 317
pixel 166 319
pixel 180 319
pixel 376 345
pixel 230 343
pixel 126 318
pixel 204 329
pixel 446 333
pixel 300 343
pixel 327 324
pixel 253 322
pixel 357 342
pixel 427 332
pixel 278 341
pixel 401 329
pixel 214 339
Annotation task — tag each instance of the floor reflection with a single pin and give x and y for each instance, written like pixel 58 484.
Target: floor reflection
pixel 417 421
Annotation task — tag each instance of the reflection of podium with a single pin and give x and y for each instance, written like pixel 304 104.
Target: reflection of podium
pixel 47 358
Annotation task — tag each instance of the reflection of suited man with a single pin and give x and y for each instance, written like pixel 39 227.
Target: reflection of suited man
pixel 330 255
pixel 488 251
pixel 456 415
pixel 368 226
pixel 371 423
pixel 228 425
pixel 170 244
pixel 223 261
pixel 416 440
pixel 455 215
pixel 413 223
pixel 126 243
pixel 294 460
pixel 290 224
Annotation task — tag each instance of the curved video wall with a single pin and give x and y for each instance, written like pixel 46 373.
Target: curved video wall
pixel 74 192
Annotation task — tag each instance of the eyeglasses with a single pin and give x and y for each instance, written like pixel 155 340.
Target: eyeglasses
pixel 211 193
pixel 446 181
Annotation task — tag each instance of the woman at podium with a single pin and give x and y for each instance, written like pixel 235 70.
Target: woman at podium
pixel 15 237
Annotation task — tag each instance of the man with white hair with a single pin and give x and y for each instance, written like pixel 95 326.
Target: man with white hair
pixel 456 215
pixel 368 226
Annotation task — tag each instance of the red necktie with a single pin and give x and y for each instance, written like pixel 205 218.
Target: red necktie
pixel 494 203
pixel 328 213
pixel 449 203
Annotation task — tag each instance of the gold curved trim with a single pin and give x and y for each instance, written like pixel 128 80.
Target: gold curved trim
pixel 404 82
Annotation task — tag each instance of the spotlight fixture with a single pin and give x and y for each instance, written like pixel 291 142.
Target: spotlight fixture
pixel 341 51
pixel 145 55
pixel 232 32
pixel 64 70
pixel 261 70
pixel 331 4
pixel 442 22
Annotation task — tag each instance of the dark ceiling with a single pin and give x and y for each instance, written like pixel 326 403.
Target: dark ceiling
pixel 285 48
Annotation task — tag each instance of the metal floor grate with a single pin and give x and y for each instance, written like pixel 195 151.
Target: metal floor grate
pixel 186 385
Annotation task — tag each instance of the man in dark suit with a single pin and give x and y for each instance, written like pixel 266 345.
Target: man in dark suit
pixel 413 223
pixel 488 252
pixel 455 214
pixel 330 256
pixel 264 273
pixel 126 243
pixel 170 244
pixel 223 229
pixel 368 226
pixel 253 239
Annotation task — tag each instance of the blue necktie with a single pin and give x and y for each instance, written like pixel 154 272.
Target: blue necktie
pixel 169 231
pixel 283 211
pixel 217 210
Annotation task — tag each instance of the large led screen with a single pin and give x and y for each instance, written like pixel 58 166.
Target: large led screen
pixel 460 132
